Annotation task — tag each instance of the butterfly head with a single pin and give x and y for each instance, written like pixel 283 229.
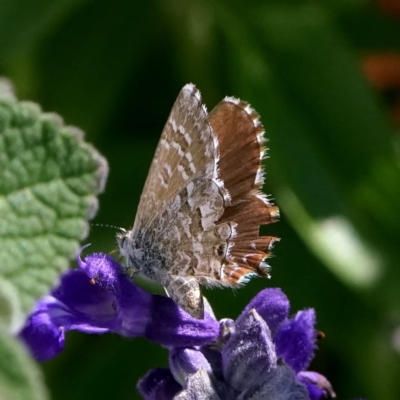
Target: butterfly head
pixel 130 249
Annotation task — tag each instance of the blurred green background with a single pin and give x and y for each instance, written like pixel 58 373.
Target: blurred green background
pixel 325 78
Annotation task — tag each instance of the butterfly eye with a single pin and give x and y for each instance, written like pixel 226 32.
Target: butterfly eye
pixel 121 241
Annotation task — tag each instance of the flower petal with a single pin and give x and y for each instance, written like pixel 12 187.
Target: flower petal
pixel 280 384
pixel 272 305
pixel 158 384
pixel 317 385
pixel 249 354
pixel 296 340
pixel 170 326
pixel 99 297
pixel 43 338
pixel 198 387
pixel 131 304
pixel 75 304
pixel 187 361
pixel 140 313
pixel 213 352
pixel 227 328
pixel 213 356
pixel 83 300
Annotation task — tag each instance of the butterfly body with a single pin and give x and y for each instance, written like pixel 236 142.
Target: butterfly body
pixel 197 220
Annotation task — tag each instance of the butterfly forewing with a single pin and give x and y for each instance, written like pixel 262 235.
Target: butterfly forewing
pixel 186 149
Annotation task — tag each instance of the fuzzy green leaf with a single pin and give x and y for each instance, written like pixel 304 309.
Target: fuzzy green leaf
pixel 20 377
pixel 49 179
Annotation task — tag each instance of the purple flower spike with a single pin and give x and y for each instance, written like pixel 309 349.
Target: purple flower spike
pixel 296 340
pixel 272 305
pixel 255 357
pixel 98 297
pixel 247 362
pixel 158 384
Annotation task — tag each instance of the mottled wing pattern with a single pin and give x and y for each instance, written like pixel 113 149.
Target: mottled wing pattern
pixel 186 149
pixel 241 143
pixel 201 209
pixel 182 199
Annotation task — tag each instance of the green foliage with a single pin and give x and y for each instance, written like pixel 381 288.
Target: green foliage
pixel 114 69
pixel 49 179
pixel 20 378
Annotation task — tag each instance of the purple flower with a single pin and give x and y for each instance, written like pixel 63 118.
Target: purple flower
pixel 98 297
pixel 261 355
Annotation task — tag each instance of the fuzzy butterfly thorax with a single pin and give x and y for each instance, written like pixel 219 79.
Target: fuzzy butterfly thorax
pixel 201 208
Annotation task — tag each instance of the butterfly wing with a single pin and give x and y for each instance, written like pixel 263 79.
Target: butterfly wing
pixel 241 144
pixel 201 208
pixel 187 149
pixel 182 199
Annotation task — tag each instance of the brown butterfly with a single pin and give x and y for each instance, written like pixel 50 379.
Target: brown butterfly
pixel 201 208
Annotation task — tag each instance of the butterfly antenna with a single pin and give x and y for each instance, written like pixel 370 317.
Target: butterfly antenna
pixel 109 226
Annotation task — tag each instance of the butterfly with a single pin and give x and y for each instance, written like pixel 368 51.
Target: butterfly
pixel 201 208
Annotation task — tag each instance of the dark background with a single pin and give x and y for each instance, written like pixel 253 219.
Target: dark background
pixel 325 78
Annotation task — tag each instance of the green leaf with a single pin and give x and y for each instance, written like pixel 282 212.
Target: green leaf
pixel 49 179
pixel 20 377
